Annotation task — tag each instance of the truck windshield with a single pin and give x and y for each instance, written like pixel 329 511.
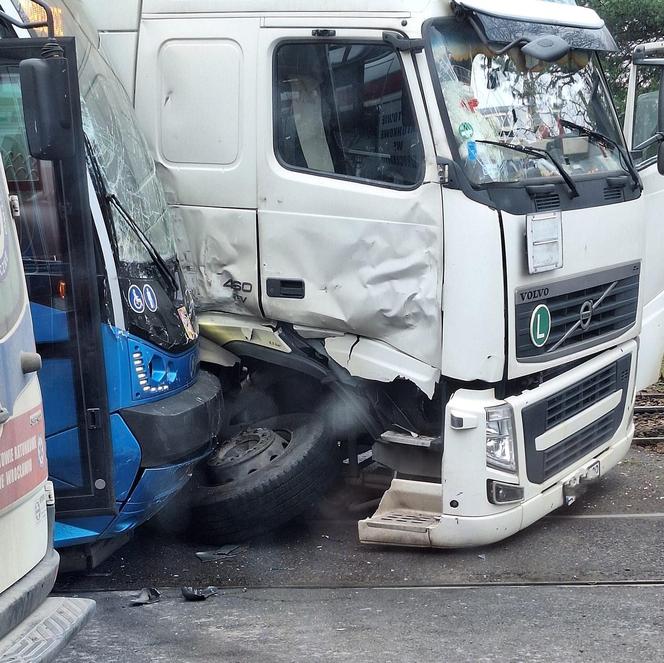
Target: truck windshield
pixel 521 101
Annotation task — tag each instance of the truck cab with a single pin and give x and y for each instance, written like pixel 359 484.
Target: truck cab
pixel 33 627
pixel 424 209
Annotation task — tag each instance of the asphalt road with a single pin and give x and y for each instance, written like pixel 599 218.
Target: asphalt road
pixel 586 583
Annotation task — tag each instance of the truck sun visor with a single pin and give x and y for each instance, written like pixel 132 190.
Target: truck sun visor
pixel 500 30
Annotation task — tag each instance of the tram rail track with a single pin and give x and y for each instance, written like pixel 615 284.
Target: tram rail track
pixel 649 419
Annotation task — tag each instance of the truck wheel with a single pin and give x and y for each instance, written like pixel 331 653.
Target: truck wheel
pixel 263 477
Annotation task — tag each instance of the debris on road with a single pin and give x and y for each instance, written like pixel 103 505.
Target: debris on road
pixel 146 596
pixel 192 594
pixel 225 552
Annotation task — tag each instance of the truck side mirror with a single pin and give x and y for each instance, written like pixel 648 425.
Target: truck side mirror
pixel 660 159
pixel 47 107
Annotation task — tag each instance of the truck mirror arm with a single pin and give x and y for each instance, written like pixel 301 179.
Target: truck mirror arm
pixel 400 43
pixel 657 138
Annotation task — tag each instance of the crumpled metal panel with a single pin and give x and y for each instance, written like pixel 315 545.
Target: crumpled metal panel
pixel 374 360
pixel 375 279
pixel 217 250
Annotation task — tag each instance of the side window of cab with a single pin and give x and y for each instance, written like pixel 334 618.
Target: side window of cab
pixel 344 110
pixel 646 112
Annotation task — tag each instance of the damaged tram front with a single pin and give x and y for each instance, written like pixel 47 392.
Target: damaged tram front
pixel 127 411
pixel 414 222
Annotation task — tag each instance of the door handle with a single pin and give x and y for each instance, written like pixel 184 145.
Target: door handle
pixel 4 415
pixel 31 362
pixel 285 288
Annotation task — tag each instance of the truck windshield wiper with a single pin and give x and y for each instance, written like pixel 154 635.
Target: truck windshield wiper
pixel 112 199
pixel 601 138
pixel 540 153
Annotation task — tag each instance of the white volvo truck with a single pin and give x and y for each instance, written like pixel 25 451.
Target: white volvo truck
pixel 419 216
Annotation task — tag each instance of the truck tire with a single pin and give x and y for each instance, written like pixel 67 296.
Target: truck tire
pixel 263 477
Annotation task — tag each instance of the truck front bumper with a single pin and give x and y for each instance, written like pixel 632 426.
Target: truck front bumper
pixel 572 428
pixel 455 532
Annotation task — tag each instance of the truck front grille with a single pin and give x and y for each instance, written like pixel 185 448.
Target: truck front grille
pixel 582 395
pixel 555 410
pixel 577 446
pixel 611 297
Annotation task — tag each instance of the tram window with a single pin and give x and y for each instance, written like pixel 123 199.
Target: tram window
pixel 32 181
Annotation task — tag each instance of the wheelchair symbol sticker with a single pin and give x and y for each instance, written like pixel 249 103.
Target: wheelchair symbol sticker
pixel 135 298
pixel 150 298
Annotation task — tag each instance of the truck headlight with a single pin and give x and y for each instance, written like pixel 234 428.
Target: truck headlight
pixel 500 447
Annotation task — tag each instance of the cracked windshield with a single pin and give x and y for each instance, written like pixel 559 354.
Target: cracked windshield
pixel 122 165
pixel 523 103
pixel 128 173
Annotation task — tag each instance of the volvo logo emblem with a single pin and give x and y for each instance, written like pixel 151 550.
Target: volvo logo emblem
pixel 586 314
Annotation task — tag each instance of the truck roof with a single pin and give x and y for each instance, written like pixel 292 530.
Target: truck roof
pixel 125 15
pixel 293 6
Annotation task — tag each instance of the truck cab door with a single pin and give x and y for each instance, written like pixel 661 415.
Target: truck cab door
pixel 349 200
pixel 644 119
pixel 52 213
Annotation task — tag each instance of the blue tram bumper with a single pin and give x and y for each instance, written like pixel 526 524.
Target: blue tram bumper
pixel 156 446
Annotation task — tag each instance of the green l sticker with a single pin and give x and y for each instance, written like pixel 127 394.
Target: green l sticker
pixel 540 325
pixel 466 130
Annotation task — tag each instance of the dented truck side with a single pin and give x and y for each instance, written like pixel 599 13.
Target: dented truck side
pixel 425 213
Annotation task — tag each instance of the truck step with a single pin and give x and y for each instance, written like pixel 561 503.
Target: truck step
pixel 403 521
pixel 46 632
pixel 406 515
pixel 411 440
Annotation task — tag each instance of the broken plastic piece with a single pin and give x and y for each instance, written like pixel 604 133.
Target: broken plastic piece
pixel 375 360
pixel 225 552
pixel 192 594
pixel 146 596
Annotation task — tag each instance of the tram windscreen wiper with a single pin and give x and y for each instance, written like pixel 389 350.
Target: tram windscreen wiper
pixel 112 199
pixel 540 153
pixel 601 138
